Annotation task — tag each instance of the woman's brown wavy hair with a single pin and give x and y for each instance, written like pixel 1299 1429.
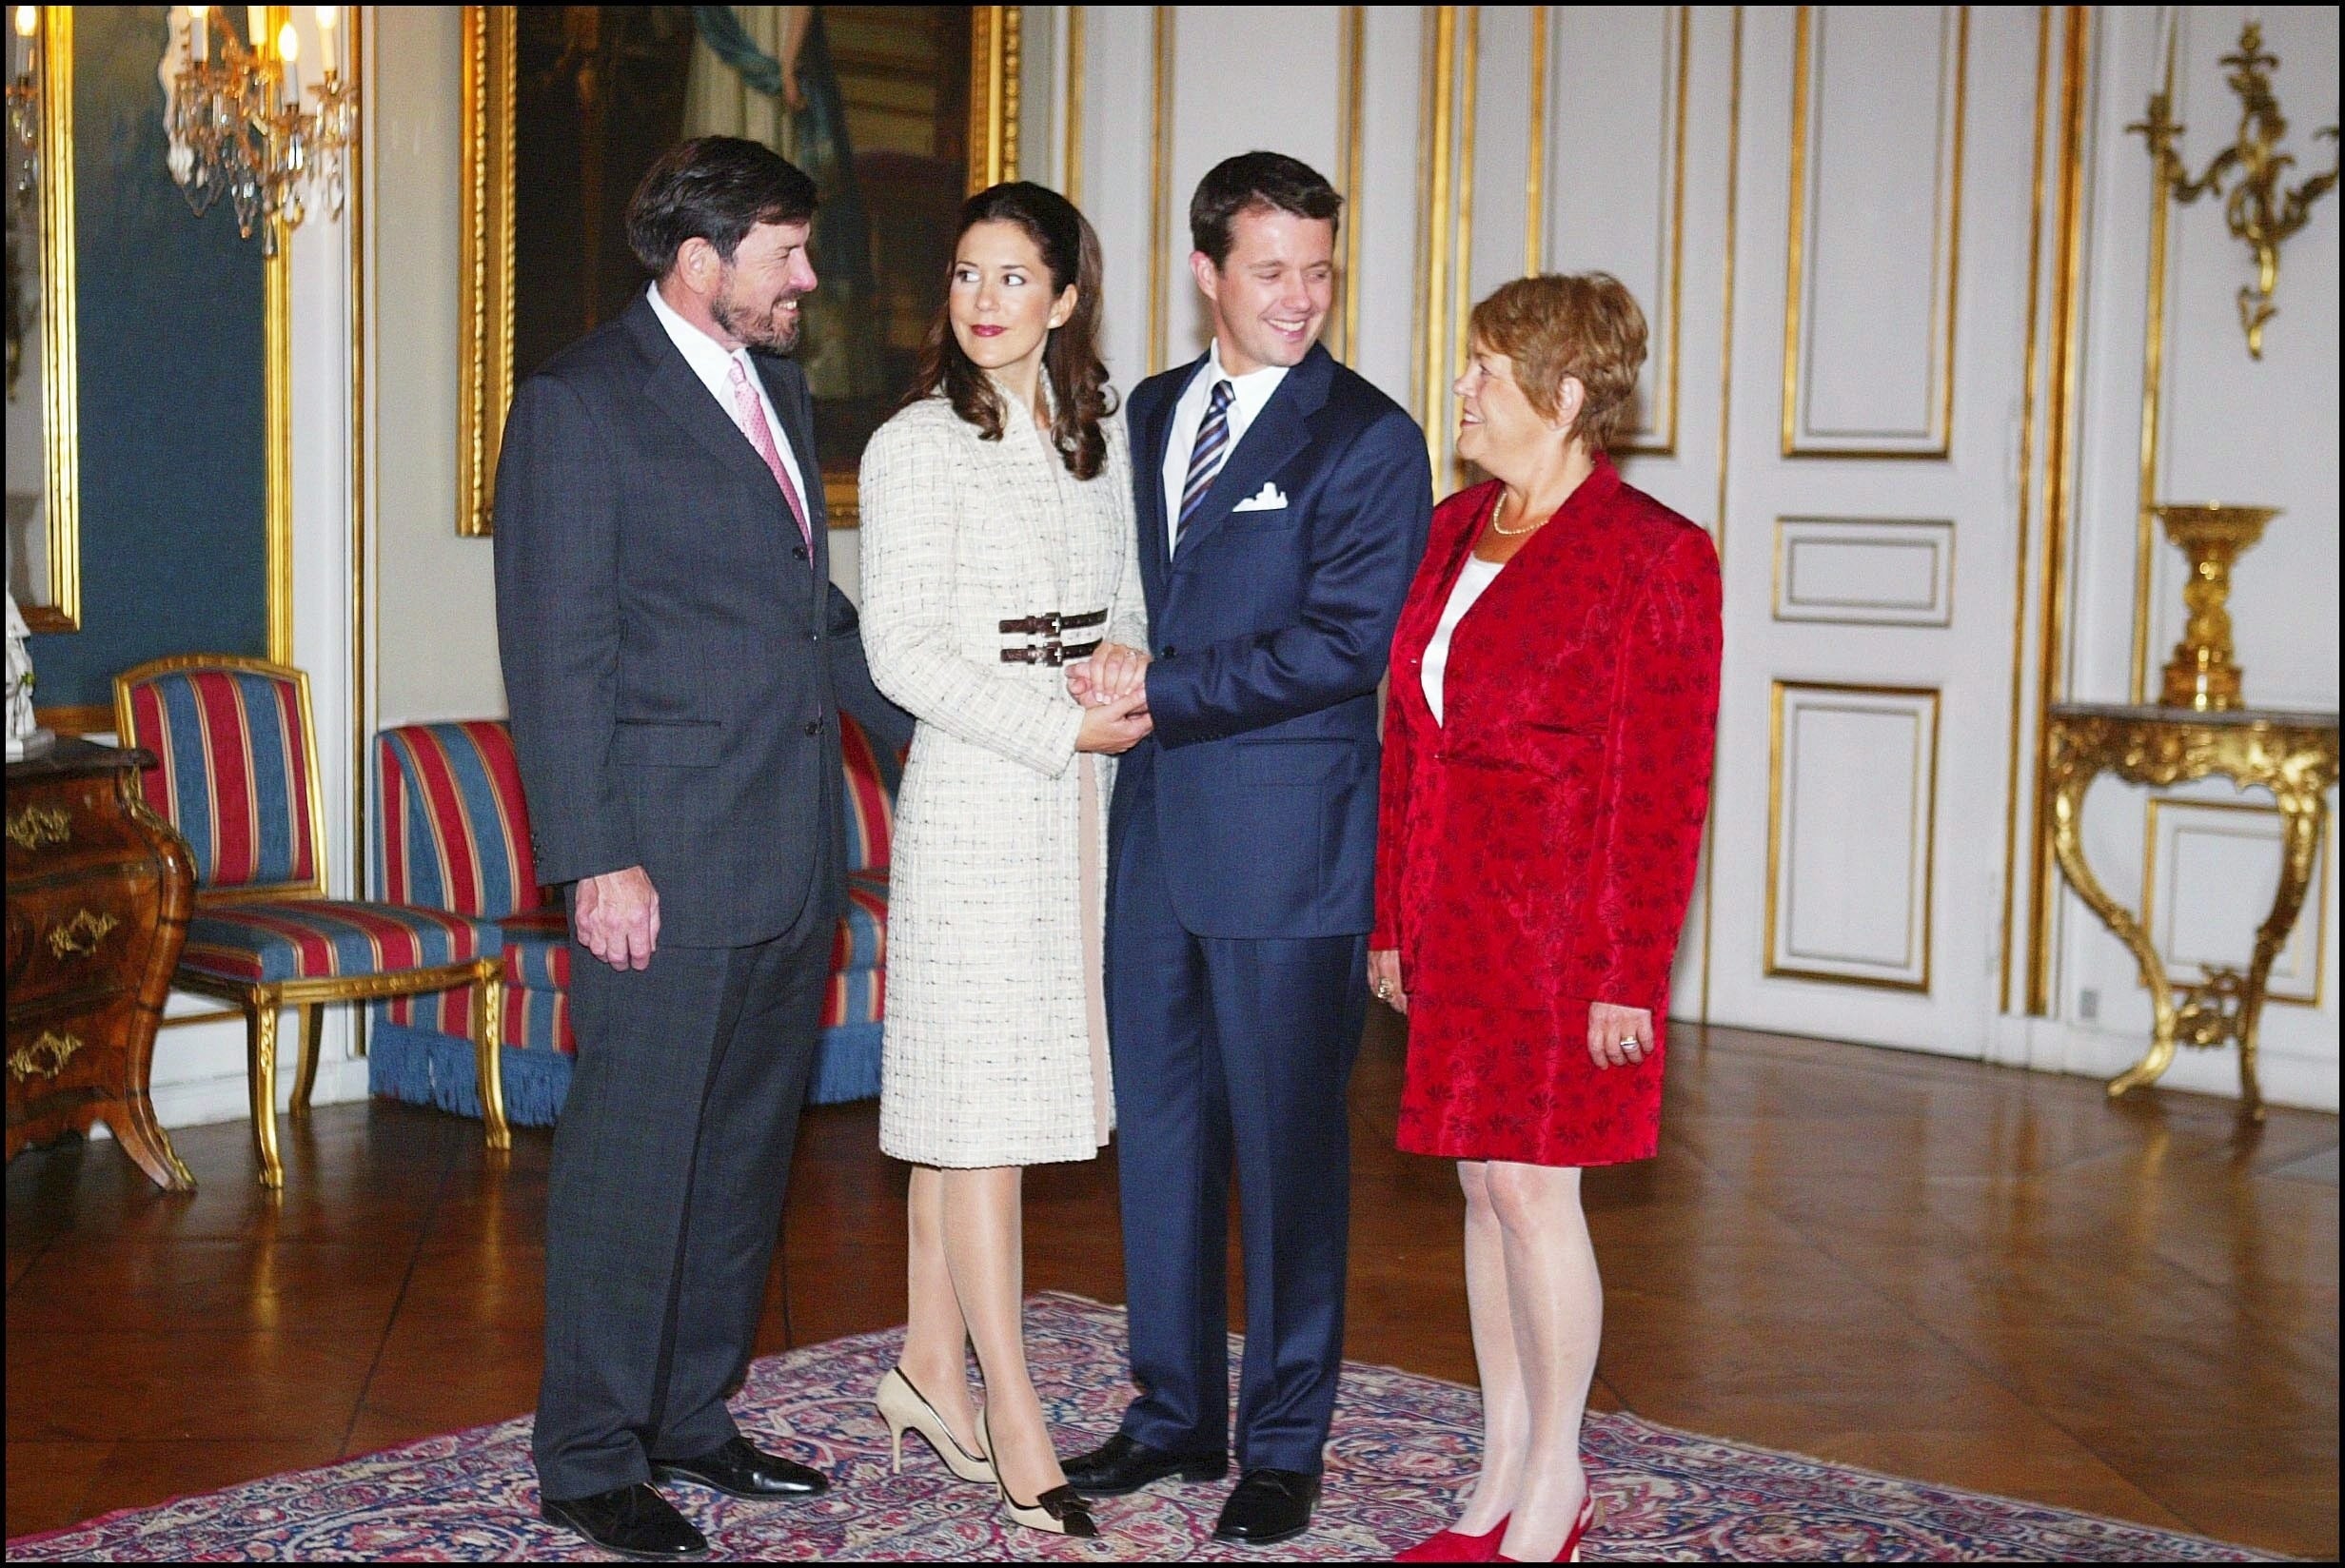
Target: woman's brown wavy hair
pixel 1079 393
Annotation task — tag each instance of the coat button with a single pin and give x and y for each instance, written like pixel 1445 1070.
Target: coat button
pixel 814 637
pixel 1168 651
pixel 800 551
pixel 814 725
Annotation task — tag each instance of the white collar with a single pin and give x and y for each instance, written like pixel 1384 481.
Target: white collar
pixel 709 360
pixel 1249 391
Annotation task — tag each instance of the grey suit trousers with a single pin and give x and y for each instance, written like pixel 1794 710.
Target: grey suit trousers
pixel 658 1248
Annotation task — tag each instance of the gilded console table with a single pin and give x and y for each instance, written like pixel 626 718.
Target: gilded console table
pixel 2293 755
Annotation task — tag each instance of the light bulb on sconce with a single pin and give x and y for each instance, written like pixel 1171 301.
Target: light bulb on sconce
pixel 241 122
pixel 290 52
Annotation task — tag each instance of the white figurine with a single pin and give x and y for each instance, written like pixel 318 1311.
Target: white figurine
pixel 26 737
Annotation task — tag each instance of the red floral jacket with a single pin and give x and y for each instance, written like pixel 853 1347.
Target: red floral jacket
pixel 1540 846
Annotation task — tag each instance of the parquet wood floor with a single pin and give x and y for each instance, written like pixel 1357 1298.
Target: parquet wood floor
pixel 1982 1276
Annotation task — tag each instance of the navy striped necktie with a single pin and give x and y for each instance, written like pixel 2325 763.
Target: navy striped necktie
pixel 1206 457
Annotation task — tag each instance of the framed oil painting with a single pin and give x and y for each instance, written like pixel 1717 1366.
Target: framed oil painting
pixel 896 111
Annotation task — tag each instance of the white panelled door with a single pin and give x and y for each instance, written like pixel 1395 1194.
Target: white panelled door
pixel 1873 516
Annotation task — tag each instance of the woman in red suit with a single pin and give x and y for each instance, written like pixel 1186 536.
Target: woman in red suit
pixel 1545 770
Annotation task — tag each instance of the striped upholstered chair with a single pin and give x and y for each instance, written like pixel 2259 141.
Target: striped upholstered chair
pixel 453 832
pixel 237 776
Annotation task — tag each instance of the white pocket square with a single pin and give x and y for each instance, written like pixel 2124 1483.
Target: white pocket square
pixel 1268 498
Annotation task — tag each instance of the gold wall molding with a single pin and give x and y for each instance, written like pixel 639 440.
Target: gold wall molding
pixel 1438 114
pixel 1448 105
pixel 1934 535
pixel 1799 442
pixel 1661 442
pixel 2319 902
pixel 60 334
pixel 485 326
pixel 2061 409
pixel 2153 396
pixel 361 706
pixel 1535 156
pixel 2029 438
pixel 1160 177
pixel 994 40
pixel 1462 274
pixel 277 357
pixel 1071 142
pixel 1347 181
pixel 1924 700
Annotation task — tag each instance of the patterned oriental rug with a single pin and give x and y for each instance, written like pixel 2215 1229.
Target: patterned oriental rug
pixel 1402 1445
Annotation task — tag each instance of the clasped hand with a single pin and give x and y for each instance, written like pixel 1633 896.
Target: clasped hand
pixel 1112 688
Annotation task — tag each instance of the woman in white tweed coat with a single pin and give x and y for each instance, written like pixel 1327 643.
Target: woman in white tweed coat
pixel 999 546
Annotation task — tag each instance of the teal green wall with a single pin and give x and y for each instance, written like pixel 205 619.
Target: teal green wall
pixel 173 470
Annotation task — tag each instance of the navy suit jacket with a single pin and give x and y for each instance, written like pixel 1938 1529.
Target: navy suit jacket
pixel 1270 632
pixel 675 655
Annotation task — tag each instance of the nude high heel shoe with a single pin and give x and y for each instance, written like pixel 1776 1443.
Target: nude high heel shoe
pixel 1062 1510
pixel 903 1406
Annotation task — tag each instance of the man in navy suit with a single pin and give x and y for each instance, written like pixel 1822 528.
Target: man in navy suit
pixel 1283 503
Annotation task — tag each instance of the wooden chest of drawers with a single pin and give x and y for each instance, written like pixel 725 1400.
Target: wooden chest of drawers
pixel 99 891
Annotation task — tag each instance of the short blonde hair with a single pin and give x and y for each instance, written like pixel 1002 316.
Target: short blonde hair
pixel 1584 325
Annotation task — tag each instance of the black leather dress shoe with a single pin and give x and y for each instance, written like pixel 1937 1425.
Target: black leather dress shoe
pixel 1267 1506
pixel 1121 1465
pixel 634 1522
pixel 739 1470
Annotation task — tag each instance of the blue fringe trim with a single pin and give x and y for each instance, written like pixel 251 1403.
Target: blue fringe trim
pixel 846 1065
pixel 425 1067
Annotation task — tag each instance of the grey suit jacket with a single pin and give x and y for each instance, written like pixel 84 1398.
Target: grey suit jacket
pixel 675 656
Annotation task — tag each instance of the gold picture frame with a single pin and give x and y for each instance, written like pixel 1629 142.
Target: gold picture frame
pixel 59 355
pixel 492 53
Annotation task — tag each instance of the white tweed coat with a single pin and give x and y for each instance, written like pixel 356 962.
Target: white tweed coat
pixel 988 1053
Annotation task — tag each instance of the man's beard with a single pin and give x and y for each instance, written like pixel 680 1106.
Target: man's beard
pixel 755 330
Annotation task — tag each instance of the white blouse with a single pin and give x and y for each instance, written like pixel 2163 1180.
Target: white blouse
pixel 1472 583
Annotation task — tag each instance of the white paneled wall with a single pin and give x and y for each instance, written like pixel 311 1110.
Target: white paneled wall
pixel 1851 229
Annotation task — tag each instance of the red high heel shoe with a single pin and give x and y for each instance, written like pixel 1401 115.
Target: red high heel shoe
pixel 1454 1546
pixel 1572 1542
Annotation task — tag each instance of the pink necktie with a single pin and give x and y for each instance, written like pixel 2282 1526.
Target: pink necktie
pixel 749 413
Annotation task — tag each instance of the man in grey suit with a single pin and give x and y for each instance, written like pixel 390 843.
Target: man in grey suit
pixel 676 658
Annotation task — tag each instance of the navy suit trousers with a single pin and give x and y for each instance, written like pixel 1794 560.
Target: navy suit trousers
pixel 664 1198
pixel 1231 1052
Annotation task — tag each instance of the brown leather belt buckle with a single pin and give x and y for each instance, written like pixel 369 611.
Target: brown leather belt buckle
pixel 1048 626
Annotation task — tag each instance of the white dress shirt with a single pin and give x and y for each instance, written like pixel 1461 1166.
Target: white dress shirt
pixel 1472 582
pixel 713 364
pixel 1248 394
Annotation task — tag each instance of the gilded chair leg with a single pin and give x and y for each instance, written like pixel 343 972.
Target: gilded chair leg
pixel 487 1036
pixel 260 1062
pixel 313 1028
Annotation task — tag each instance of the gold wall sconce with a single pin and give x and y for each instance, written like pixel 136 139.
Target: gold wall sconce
pixel 2261 211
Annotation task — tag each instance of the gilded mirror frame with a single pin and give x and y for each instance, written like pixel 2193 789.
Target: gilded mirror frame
pixel 484 315
pixel 60 356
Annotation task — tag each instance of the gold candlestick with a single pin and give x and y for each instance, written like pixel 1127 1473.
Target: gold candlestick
pixel 2201 675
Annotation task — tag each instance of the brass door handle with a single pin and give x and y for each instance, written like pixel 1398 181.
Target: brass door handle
pixel 37 826
pixel 46 1057
pixel 80 936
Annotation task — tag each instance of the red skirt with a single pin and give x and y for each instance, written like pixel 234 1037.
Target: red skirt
pixel 1518 1084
